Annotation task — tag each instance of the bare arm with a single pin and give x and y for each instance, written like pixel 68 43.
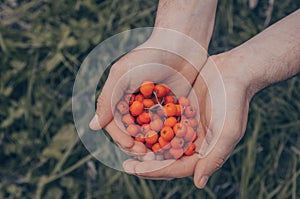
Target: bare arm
pixel 272 55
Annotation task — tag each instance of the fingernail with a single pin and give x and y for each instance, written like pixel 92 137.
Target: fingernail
pixel 94 123
pixel 203 181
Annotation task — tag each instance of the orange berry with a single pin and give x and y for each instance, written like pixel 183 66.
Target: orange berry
pixel 148 103
pixel 144 117
pixel 136 108
pixel 190 149
pixel 176 153
pixel 127 119
pixel 122 107
pixel 170 109
pixel 129 98
pixel 138 121
pixel 147 88
pixel 163 143
pixel 193 122
pixel 167 133
pixel 168 90
pixel 186 121
pixel 160 90
pixel 177 142
pixel 170 121
pixel 190 111
pixel 190 133
pixel 179 129
pixel 151 137
pixel 169 99
pixel 183 101
pixel 178 110
pixel 133 129
pixel 140 137
pixel 167 155
pixel 156 147
pixel 156 124
pixel 139 98
pixel 195 137
pixel 145 128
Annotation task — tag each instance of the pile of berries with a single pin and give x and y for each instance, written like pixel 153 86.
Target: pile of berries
pixel 154 116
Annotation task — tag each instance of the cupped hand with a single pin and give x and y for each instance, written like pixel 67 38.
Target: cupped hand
pixel 223 98
pixel 143 64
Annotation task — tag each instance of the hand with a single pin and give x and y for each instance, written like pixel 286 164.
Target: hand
pixel 223 103
pixel 181 49
pixel 150 61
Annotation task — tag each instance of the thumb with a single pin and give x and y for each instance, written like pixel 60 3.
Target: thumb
pixel 207 165
pixel 104 113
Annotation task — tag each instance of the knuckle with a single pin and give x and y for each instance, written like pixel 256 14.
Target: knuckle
pixel 218 162
pixel 100 102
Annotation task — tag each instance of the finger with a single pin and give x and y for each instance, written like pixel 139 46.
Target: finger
pixel 214 160
pixel 104 114
pixel 163 169
pixel 122 139
pixel 129 166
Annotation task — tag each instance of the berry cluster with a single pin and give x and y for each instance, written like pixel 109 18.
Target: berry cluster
pixel 154 116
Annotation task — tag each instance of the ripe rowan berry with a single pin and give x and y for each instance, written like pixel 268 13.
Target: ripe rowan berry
pixel 127 119
pixel 156 148
pixel 156 124
pixel 170 121
pixel 139 137
pixel 129 98
pixel 177 143
pixel 163 143
pixel 167 133
pixel 170 109
pixel 160 90
pixel 144 118
pixel 190 150
pixel 136 108
pixel 190 111
pixel 176 153
pixel 122 107
pixel 139 98
pixel 169 99
pixel 183 101
pixel 147 88
pixel 178 110
pixel 133 129
pixel 190 133
pixel 179 129
pixel 151 137
pixel 148 103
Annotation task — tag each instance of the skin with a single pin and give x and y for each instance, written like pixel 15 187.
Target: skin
pixel 269 57
pixel 169 18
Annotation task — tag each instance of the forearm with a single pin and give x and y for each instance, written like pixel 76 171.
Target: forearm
pixel 183 28
pixel 194 18
pixel 272 55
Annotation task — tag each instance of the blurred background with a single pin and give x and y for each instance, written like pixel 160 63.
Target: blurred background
pixel 43 43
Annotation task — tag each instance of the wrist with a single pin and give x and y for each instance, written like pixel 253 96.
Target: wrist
pixel 175 48
pixel 193 18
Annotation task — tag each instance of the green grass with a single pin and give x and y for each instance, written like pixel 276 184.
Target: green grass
pixel 42 44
